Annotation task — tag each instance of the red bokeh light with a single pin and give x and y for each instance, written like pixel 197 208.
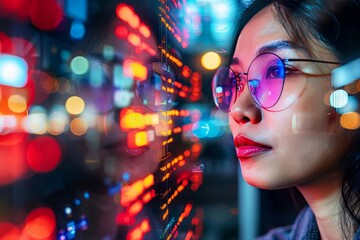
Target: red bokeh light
pixel 9 231
pixel 46 14
pixel 43 154
pixel 12 160
pixel 6 45
pixel 16 8
pixel 124 218
pixel 12 6
pixel 121 32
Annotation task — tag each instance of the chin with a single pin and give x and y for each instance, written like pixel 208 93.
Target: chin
pixel 263 182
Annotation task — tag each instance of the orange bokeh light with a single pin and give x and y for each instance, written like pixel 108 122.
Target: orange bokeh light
pixel 135 69
pixel 135 208
pixel 134 39
pixel 144 30
pixel 148 181
pixel 40 224
pixel 131 120
pixel 145 226
pixel 124 12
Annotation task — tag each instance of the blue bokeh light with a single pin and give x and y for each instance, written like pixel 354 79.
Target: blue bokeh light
pixel 13 71
pixel 77 30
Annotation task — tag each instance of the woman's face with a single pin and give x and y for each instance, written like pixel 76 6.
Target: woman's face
pixel 298 145
pixel 113 151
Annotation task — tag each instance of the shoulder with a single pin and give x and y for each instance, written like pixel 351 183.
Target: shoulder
pixel 357 234
pixel 280 233
pixel 304 224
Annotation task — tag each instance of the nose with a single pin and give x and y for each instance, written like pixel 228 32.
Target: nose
pixel 245 110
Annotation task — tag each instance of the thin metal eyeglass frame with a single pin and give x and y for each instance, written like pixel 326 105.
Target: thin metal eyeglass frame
pixel 240 83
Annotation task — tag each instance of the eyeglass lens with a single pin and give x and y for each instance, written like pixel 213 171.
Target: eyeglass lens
pixel 265 81
pixel 107 86
pixel 155 93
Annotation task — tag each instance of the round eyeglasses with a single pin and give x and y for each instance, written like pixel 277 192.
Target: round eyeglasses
pixel 107 86
pixel 265 79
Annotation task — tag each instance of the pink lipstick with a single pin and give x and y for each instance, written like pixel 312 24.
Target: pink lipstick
pixel 246 147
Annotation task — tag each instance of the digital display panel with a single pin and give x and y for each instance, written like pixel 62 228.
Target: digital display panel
pixel 100 134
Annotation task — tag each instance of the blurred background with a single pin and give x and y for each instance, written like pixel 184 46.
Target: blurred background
pixel 108 129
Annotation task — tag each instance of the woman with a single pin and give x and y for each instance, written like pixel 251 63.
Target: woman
pixel 285 132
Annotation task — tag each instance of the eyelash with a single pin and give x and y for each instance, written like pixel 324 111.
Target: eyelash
pixel 289 69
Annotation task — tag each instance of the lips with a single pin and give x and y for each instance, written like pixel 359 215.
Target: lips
pixel 246 147
pixel 122 148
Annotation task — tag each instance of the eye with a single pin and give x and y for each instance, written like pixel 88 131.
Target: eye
pixel 289 70
pixel 275 72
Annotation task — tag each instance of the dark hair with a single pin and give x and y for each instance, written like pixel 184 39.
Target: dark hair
pixel 335 26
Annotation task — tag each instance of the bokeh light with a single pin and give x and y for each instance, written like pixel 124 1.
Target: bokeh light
pixel 77 30
pixel 40 224
pixel 131 120
pixel 17 103
pixel 338 98
pixel 127 14
pixel 36 121
pixel 134 39
pixel 46 14
pixel 13 70
pixel 75 105
pixel 200 129
pixel 12 160
pixel 58 120
pixel 43 154
pixel 144 30
pixel 350 120
pixel 137 139
pixel 78 126
pixel 79 65
pixel 8 231
pixel 351 106
pixel 210 60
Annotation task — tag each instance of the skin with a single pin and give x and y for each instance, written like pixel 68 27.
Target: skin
pixel 308 156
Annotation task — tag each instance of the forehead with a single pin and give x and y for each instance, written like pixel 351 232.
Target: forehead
pixel 261 30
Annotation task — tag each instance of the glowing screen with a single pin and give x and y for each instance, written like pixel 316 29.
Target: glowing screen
pixel 98 135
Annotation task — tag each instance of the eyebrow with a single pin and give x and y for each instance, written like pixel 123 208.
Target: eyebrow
pixel 274 47
pixel 279 45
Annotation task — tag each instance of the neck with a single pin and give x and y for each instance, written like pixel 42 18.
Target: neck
pixel 323 198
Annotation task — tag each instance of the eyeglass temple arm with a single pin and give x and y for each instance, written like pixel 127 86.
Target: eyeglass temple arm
pixel 309 60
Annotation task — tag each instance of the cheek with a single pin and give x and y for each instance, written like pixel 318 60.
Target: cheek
pixel 234 126
pixel 310 114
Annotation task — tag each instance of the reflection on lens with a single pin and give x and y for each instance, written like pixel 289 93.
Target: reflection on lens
pixel 265 79
pixel 224 88
pixel 156 92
